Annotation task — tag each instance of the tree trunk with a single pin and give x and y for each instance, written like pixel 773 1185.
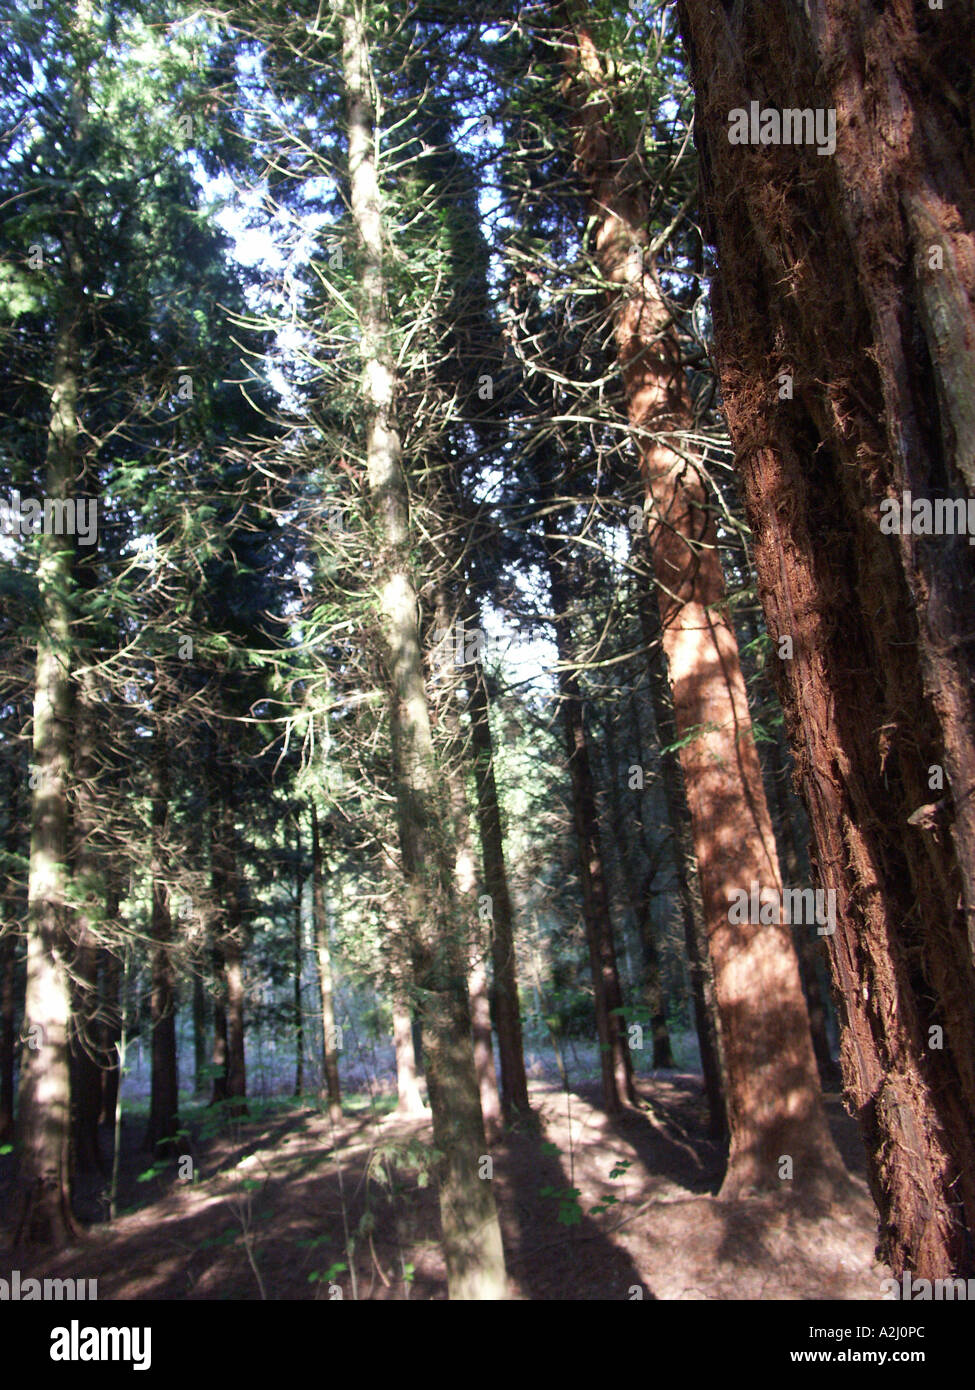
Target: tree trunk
pixel 774 1103
pixel 410 1101
pixel 8 959
pixel 110 1026
pixel 164 1098
pixel 42 1202
pixel 199 1032
pixel 218 1059
pixel 8 974
pixel 685 868
pixel 636 871
pixel 231 1086
pixel 846 356
pixel 330 1038
pixel 614 1053
pixel 514 1083
pixel 471 1232
pixel 807 946
pixel 298 967
pixel 86 1082
pixel 465 878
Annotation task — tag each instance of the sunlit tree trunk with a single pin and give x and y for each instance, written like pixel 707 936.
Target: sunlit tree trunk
pixel 773 1099
pixel 471 1232
pixel 847 352
pixel 685 866
pixel 410 1101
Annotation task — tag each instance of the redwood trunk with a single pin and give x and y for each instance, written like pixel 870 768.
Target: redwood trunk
pixel 685 868
pixel 864 296
pixel 774 1103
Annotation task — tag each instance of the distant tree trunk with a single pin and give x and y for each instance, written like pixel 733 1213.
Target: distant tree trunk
pixel 465 877
pixel 164 1098
pixel 110 1026
pixel 42 1199
pixel 807 946
pixel 847 352
pixel 614 1053
pixel 199 1032
pixel 330 1056
pixel 8 976
pixel 685 868
pixel 637 872
pixel 228 1041
pixel 514 1083
pixel 471 1232
pixel 774 1103
pixel 218 1058
pixel 298 967
pixel 8 958
pixel 410 1101
pixel 86 1083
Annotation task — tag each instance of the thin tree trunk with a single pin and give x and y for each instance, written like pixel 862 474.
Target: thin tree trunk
pixel 614 1053
pixel 8 975
pixel 330 1056
pixel 8 958
pixel 110 1026
pixel 471 1232
pixel 636 880
pixel 846 359
pixel 164 1098
pixel 199 1032
pixel 226 928
pixel 807 946
pixel 514 1083
pixel 775 1109
pixel 465 878
pixel 685 869
pixel 218 1058
pixel 298 967
pixel 410 1100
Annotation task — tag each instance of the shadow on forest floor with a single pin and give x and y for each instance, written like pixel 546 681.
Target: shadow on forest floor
pixel 283 1206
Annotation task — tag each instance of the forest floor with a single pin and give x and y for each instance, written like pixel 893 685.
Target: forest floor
pixel 279 1199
